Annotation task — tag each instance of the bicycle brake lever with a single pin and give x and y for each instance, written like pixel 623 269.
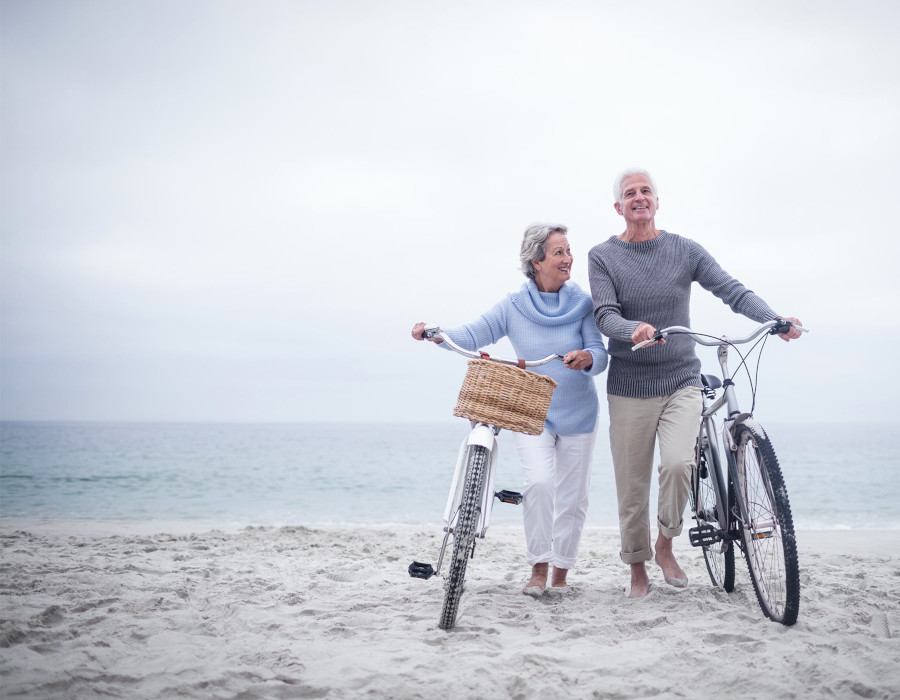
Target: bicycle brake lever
pixel 785 326
pixel 644 343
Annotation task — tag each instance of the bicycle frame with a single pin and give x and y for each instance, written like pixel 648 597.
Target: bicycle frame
pixel 734 417
pixel 729 399
pixel 708 419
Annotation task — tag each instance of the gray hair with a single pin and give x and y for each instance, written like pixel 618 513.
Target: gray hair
pixel 534 245
pixel 617 185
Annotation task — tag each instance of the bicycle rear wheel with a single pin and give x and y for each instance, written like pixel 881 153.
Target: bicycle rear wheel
pixel 709 505
pixel 464 534
pixel 767 530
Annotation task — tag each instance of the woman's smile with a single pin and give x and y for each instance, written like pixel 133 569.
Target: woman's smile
pixel 556 267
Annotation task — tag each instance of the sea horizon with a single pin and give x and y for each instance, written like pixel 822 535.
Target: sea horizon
pixel 840 475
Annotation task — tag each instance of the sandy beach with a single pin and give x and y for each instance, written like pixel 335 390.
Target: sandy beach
pixel 151 610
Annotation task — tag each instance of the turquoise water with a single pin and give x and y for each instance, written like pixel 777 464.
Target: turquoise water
pixel 839 476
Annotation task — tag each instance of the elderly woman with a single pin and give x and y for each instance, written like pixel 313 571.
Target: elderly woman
pixel 548 315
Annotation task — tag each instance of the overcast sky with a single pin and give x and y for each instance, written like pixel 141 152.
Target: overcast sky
pixel 237 210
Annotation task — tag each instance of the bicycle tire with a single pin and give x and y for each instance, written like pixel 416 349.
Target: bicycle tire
pixel 709 505
pixel 767 527
pixel 464 534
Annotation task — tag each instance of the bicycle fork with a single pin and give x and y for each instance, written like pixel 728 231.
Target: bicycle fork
pixel 481 435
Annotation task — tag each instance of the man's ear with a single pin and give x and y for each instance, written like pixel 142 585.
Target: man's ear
pixel 618 208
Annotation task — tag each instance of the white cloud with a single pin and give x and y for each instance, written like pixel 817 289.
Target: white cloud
pixel 265 198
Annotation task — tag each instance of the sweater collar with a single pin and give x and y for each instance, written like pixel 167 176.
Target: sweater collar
pixel 569 304
pixel 653 242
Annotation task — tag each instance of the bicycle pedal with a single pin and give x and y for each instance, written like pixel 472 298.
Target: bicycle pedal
pixel 419 570
pixel 704 535
pixel 513 497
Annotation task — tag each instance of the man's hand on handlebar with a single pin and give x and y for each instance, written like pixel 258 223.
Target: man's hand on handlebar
pixel 419 329
pixel 643 332
pixel 794 331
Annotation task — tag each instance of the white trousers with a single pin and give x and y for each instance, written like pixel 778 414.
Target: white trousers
pixel 555 499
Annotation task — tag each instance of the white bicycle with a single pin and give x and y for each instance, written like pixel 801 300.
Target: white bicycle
pixel 497 393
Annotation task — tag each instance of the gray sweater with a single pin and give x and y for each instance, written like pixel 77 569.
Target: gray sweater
pixel 651 281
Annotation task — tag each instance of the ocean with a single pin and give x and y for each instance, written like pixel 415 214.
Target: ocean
pixel 839 476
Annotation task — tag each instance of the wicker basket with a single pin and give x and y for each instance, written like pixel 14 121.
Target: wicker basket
pixel 504 396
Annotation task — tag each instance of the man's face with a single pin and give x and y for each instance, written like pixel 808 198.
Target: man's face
pixel 639 201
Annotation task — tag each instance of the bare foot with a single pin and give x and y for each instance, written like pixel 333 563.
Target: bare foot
pixel 559 578
pixel 538 581
pixel 666 559
pixel 640 581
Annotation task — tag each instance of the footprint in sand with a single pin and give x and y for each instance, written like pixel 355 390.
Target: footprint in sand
pixel 344 574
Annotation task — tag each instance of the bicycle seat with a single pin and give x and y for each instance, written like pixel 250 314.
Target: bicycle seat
pixel 711 381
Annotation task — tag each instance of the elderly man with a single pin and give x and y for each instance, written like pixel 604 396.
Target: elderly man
pixel 641 281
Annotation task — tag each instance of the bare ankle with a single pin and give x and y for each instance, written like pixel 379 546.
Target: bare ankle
pixel 539 573
pixel 559 577
pixel 640 581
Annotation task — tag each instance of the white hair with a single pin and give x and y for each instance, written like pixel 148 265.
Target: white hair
pixel 534 245
pixel 625 174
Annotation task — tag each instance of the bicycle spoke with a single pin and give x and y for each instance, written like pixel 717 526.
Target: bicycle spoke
pixel 767 527
pixel 464 534
pixel 708 503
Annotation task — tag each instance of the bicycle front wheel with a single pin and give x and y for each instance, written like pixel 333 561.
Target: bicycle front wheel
pixel 709 504
pixel 767 530
pixel 464 533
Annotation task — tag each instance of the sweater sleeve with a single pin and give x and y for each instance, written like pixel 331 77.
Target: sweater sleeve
pixel 607 309
pixel 593 343
pixel 710 275
pixel 488 329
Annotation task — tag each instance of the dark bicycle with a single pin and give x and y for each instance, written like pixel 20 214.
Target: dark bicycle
pixel 738 495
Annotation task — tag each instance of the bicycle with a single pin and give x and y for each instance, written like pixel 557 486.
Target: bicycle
pixel 497 393
pixel 751 508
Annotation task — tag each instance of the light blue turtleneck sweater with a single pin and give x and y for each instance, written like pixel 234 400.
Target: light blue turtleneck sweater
pixel 540 324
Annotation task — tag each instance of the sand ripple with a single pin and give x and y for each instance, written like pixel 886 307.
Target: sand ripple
pixel 300 612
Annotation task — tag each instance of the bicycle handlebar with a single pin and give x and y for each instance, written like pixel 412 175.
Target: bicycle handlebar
pixel 433 331
pixel 775 326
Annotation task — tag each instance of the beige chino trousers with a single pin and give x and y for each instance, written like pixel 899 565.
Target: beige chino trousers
pixel 634 427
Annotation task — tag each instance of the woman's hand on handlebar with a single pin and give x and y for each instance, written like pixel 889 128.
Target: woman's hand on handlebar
pixel 643 332
pixel 578 359
pixel 419 329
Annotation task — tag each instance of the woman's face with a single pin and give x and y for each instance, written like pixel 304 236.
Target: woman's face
pixel 556 267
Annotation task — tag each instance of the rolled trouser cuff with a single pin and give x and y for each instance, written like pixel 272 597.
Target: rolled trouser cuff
pixel 637 557
pixel 563 562
pixel 670 532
